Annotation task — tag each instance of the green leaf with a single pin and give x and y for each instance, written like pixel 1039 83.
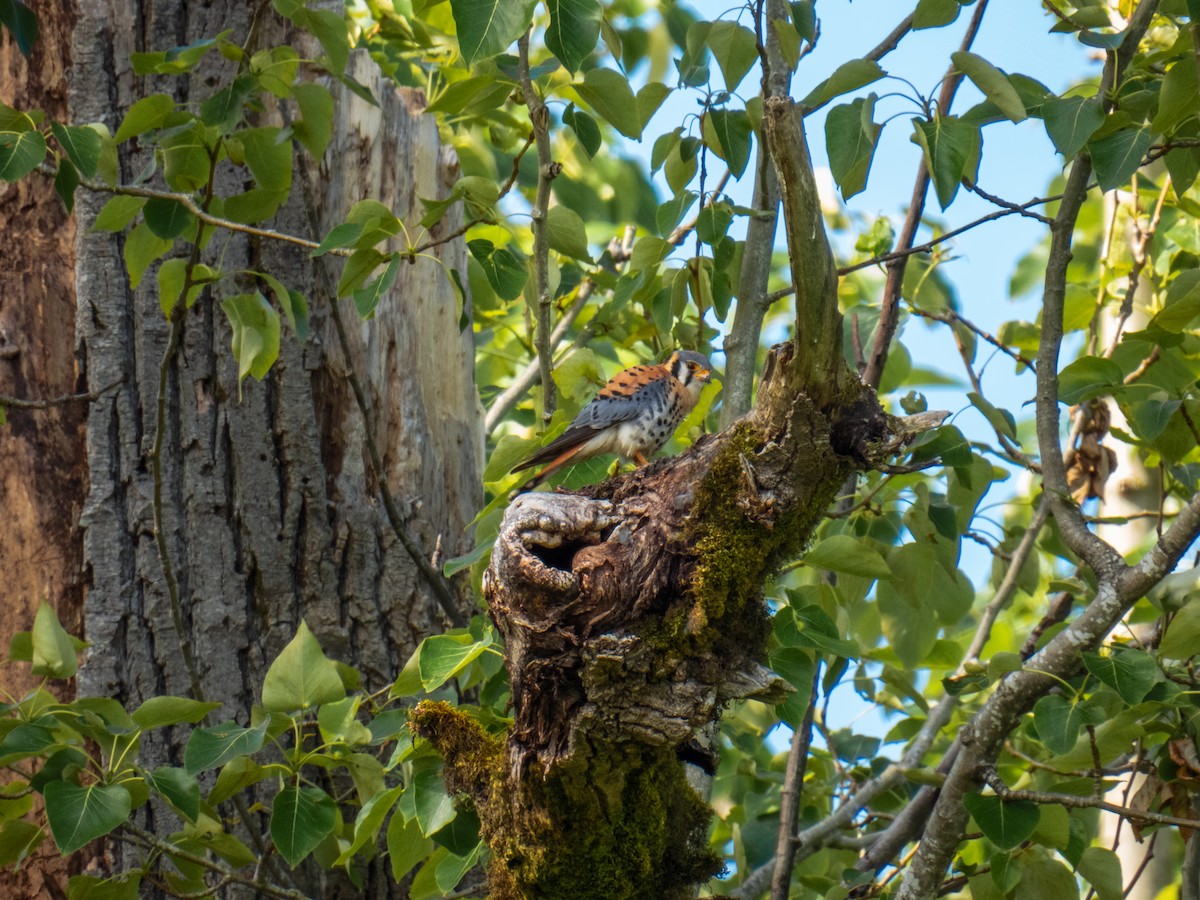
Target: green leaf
pixel 950 145
pixel 573 31
pixel 1182 638
pixel 145 115
pixel 1102 868
pixel 608 94
pixel 504 272
pixel 179 788
pixel 935 13
pixel 1183 302
pixel 276 70
pixel 1117 156
pixel 732 131
pixel 18 839
pixel 224 108
pixel 842 553
pixel 66 180
pixel 268 157
pixel 117 213
pixel 302 676
pixel 992 82
pixel 21 151
pixel 443 656
pixel 158 712
pixel 255 326
pixel 208 748
pixel 487 28
pixel 291 302
pixel 53 652
pixel 1047 878
pixel 847 77
pixel 735 49
pixel 301 817
pixel 368 822
pixel 1087 377
pixel 167 219
pixel 327 25
pixel 22 23
pixel 367 298
pixel 142 247
pixel 434 808
pixel 585 128
pixel 566 233
pixel 82 145
pixel 314 128
pixel 1131 673
pixel 359 267
pixel 850 138
pixel 1058 720
pixel 650 97
pixel 185 158
pixel 1179 99
pixel 1005 823
pixel 79 815
pixel 406 845
pixel 171 276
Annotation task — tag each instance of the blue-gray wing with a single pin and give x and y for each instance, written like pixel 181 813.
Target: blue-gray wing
pixel 612 406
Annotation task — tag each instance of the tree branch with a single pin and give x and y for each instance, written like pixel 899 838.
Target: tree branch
pixel 539 118
pixel 789 803
pixel 990 777
pixel 889 307
pixel 19 403
pixel 983 736
pixel 741 344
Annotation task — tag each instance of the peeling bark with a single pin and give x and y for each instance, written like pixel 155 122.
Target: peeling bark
pixel 43 477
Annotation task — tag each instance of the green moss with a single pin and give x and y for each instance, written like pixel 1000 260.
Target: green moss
pixel 615 823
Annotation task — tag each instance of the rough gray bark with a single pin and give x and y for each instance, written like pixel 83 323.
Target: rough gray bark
pixel 269 506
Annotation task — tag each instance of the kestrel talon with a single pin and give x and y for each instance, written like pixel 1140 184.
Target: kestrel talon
pixel 633 415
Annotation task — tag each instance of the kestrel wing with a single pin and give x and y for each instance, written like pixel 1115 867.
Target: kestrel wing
pixel 621 400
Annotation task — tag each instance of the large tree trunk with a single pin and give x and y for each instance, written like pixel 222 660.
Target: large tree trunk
pixel 270 509
pixel 43 474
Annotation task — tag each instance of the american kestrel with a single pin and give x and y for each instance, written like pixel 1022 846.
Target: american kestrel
pixel 633 415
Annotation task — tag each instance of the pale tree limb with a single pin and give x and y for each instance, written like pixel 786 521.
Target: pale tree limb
pixel 905 827
pixel 793 788
pixel 1118 588
pixel 539 117
pixel 741 344
pixel 889 309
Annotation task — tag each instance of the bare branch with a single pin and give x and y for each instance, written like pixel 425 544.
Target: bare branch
pixel 789 802
pixel 19 403
pixel 889 307
pixel 1074 801
pixel 539 117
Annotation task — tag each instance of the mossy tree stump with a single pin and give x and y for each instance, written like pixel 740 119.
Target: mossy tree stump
pixel 633 612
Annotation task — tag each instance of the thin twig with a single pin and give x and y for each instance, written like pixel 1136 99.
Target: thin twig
pixel 19 403
pixel 889 307
pixel 172 850
pixel 927 246
pixel 1075 801
pixel 539 118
